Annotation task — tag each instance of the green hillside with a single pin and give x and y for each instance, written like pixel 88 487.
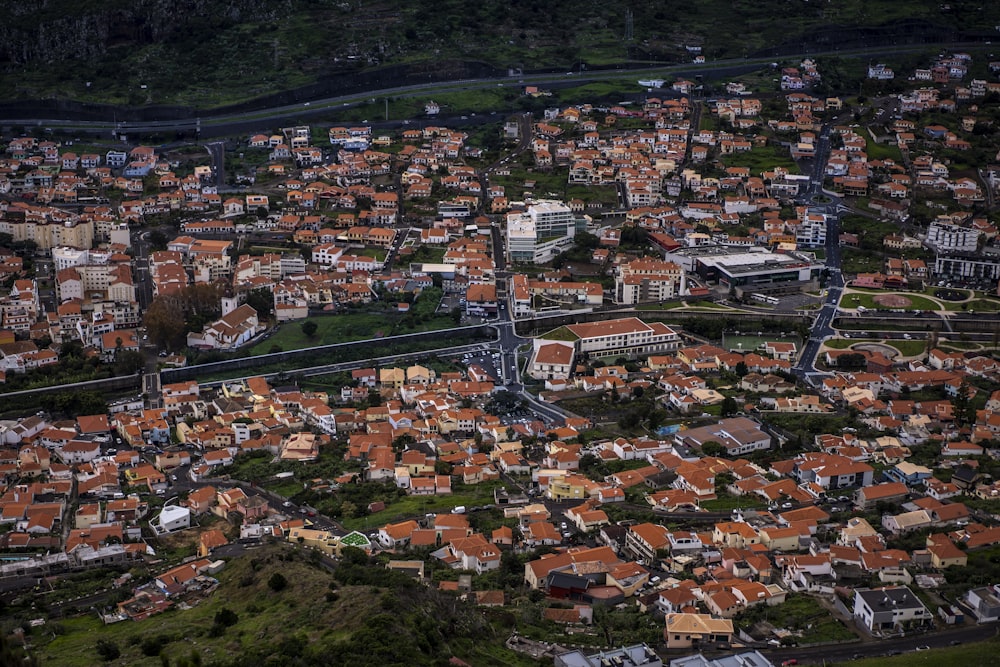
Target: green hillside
pixel 205 53
pixel 359 615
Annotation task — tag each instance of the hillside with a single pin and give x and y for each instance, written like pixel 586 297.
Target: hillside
pixel 360 615
pixel 205 54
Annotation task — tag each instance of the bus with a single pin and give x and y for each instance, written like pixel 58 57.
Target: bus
pixel 763 298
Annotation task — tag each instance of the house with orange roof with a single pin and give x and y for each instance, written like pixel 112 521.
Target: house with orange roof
pixel 211 540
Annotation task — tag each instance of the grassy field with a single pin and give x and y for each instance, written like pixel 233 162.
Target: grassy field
pixel 908 348
pixel 408 507
pixel 860 261
pixel 727 502
pixel 764 158
pixel 867 299
pixel 345 327
pixel 802 614
pixel 966 655
pixel 661 306
pixel 839 343
pixel 977 305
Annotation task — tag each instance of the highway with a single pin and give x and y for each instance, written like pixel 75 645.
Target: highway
pixel 207 123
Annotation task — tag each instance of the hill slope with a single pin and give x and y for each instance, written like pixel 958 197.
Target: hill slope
pixel 360 615
pixel 205 53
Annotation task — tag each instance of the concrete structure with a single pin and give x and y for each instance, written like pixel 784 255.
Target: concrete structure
pixel 749 269
pixel 626 337
pixel 945 237
pixel 171 518
pixel 540 233
pixel 645 280
pixel 886 610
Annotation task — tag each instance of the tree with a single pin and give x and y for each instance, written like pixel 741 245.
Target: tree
pixel 851 361
pixel 965 411
pixel 741 368
pixel 226 617
pixel 108 650
pixel 128 362
pixel 713 448
pixel 277 582
pixel 729 406
pixel 262 301
pixel 309 328
pixel 157 240
pixel 165 323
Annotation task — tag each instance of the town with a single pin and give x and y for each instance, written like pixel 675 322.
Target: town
pixel 709 374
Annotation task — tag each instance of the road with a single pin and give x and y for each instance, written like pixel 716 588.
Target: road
pixel 205 124
pixel 819 201
pixel 817 655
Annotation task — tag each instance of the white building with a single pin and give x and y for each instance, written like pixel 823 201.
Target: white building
pixel 540 233
pixel 886 610
pixel 945 237
pixel 171 518
pixel 648 280
pixel 626 337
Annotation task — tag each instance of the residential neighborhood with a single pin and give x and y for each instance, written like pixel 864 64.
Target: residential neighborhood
pixel 703 375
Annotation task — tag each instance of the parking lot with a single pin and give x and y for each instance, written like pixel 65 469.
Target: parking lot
pixel 487 360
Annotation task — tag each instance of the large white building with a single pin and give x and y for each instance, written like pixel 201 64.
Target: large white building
pixel 646 279
pixel 811 230
pixel 626 337
pixel 945 237
pixel 544 230
pixel 886 610
pixel 750 269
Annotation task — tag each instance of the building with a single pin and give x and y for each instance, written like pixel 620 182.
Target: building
pixel 946 237
pixel 976 265
pixel 739 435
pixel 551 359
pixel 645 280
pixel 888 610
pixel 538 234
pixel 638 655
pixel 626 337
pixel 173 517
pixel 748 270
pixel 682 630
pixel 985 603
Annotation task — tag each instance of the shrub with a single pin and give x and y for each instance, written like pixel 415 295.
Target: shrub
pixel 277 582
pixel 108 650
pixel 226 617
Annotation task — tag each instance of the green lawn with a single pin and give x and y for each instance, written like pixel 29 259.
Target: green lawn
pixel 410 507
pixel 661 306
pixel 867 299
pixel 707 304
pixel 726 502
pixel 908 348
pixel 979 305
pixel 839 343
pixel 346 327
pixel 966 655
pixel 860 261
pixel 882 151
pixel 763 158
